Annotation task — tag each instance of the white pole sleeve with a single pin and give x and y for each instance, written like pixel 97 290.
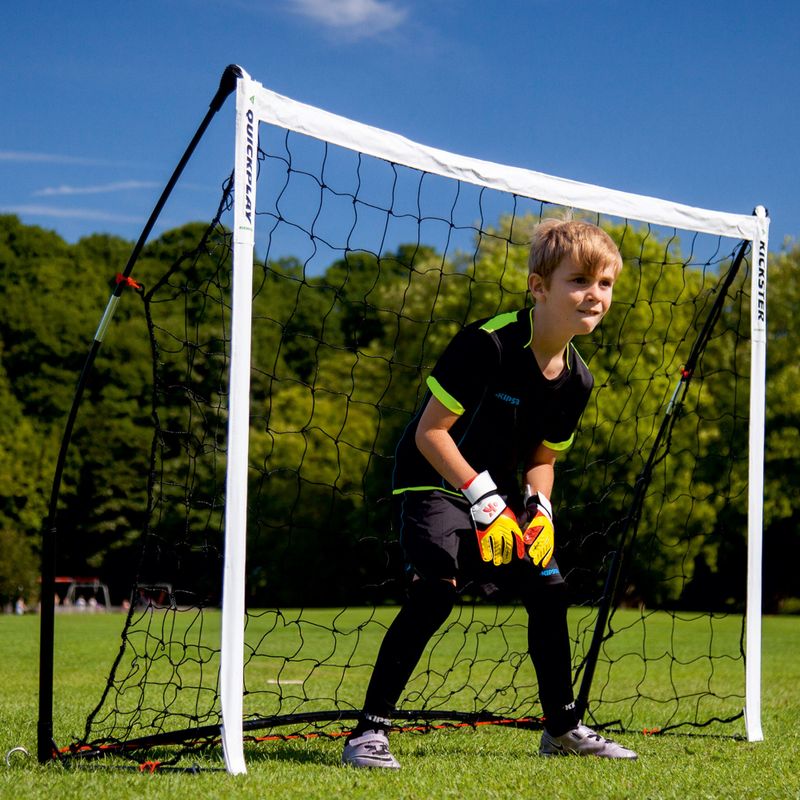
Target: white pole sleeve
pixel 289 114
pixel 755 500
pixel 233 593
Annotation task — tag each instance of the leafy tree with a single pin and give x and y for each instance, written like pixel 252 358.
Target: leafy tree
pixel 340 361
pixel 26 460
pixel 19 568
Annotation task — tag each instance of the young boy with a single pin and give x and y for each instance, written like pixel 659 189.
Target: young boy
pixel 506 394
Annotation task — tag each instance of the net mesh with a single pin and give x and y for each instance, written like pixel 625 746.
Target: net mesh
pixel 364 271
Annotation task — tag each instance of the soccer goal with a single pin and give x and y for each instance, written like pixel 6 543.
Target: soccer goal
pixel 290 344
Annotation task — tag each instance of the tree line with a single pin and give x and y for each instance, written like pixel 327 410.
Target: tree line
pixel 339 365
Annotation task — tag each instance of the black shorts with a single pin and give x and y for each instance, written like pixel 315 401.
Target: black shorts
pixel 439 542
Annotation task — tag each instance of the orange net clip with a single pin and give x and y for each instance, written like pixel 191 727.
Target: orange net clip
pixel 130 283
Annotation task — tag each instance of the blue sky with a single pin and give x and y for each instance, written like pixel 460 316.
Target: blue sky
pixel 697 102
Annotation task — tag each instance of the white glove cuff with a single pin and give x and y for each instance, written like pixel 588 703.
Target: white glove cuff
pixel 540 501
pixel 481 485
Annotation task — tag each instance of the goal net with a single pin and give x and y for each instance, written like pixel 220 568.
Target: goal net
pixel 290 346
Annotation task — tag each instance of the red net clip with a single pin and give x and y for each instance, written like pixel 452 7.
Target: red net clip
pixel 130 283
pixel 651 731
pixel 686 374
pixel 149 766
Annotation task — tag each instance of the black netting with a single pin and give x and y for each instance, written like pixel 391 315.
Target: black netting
pixel 364 271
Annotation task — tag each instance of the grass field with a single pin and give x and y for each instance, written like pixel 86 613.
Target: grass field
pixel 485 763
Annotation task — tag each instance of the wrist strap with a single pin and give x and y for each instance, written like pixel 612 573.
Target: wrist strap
pixel 540 500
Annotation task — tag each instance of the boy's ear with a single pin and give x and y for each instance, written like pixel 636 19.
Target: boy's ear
pixel 536 285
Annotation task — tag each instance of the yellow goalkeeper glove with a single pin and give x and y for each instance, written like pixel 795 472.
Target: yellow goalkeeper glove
pixel 538 533
pixel 495 524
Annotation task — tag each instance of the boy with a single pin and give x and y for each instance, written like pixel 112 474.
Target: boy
pixel 507 393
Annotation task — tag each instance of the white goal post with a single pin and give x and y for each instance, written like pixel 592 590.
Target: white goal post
pixel 256 104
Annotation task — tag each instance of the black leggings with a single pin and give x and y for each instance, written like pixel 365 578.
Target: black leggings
pixel 427 607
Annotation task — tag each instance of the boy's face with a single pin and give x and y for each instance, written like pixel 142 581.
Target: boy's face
pixel 574 301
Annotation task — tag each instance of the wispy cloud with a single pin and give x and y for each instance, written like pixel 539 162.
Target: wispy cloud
pixel 105 188
pixel 24 157
pixel 91 214
pixel 354 18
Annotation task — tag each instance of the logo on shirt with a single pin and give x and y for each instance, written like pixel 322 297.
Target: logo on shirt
pixel 507 398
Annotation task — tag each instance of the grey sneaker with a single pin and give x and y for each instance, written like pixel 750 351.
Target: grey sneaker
pixel 583 741
pixel 371 749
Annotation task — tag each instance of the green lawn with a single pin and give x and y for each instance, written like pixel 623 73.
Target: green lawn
pixel 485 763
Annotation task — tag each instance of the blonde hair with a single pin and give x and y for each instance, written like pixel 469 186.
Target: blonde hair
pixel 590 247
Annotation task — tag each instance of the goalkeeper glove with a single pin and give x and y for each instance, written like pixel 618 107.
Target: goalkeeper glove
pixel 536 524
pixel 495 524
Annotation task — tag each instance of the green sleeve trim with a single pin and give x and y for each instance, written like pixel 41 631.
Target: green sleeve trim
pixel 444 397
pixel 500 321
pixel 427 489
pixel 559 446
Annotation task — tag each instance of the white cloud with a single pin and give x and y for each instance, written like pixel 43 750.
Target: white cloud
pixel 358 18
pixel 69 213
pixel 23 157
pixel 106 188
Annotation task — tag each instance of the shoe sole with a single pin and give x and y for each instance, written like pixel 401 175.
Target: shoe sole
pixel 370 765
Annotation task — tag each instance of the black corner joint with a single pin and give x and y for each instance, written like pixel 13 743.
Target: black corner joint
pixel 227 85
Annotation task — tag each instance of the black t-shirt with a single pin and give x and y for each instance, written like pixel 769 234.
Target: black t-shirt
pixel 489 376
